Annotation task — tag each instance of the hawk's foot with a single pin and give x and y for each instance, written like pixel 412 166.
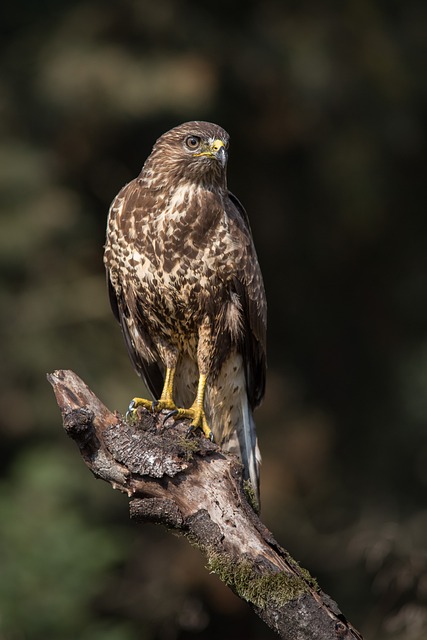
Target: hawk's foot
pixel 155 406
pixel 165 405
pixel 198 420
pixel 139 402
pixel 195 413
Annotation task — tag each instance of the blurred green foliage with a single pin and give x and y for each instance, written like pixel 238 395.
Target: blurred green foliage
pixel 52 558
pixel 326 107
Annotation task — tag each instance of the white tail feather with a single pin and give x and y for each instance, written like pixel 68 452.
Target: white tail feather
pixel 249 450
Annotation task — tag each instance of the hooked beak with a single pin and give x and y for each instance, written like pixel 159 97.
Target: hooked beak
pixel 215 149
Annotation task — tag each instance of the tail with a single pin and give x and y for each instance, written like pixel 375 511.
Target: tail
pixel 230 418
pixel 249 451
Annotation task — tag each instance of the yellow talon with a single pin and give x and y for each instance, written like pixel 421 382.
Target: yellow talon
pixel 198 420
pixel 195 413
pixel 165 401
pixel 138 402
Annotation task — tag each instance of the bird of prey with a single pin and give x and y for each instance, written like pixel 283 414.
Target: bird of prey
pixel 187 290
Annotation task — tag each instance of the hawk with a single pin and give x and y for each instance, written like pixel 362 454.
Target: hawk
pixel 186 287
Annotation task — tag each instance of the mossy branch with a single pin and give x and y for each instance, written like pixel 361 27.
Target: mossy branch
pixel 191 486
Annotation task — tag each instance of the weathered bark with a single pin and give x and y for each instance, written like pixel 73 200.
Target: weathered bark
pixel 188 484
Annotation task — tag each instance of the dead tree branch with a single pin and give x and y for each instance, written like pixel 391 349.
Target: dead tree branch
pixel 188 484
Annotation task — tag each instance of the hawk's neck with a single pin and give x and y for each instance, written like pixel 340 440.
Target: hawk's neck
pixel 169 177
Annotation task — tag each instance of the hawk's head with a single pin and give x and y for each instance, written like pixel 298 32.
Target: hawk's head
pixel 193 151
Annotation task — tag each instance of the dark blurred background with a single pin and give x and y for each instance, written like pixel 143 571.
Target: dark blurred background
pixel 325 104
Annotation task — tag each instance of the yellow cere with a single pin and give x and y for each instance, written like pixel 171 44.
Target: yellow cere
pixel 217 144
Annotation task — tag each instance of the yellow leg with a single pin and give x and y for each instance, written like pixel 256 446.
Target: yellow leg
pixel 196 412
pixel 165 401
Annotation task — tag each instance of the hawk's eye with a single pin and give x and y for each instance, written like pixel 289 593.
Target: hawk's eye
pixel 192 142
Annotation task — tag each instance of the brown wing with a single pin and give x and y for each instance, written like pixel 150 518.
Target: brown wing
pixel 124 301
pixel 149 371
pixel 248 285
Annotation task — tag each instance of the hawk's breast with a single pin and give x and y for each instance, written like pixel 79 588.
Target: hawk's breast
pixel 176 252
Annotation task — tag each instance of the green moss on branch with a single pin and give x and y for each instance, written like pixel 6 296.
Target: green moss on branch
pixel 259 589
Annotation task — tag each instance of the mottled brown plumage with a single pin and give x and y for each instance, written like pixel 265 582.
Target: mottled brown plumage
pixel 187 289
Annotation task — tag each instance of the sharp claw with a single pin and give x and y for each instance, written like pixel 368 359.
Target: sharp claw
pixel 190 431
pixel 131 409
pixel 174 412
pixel 154 405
